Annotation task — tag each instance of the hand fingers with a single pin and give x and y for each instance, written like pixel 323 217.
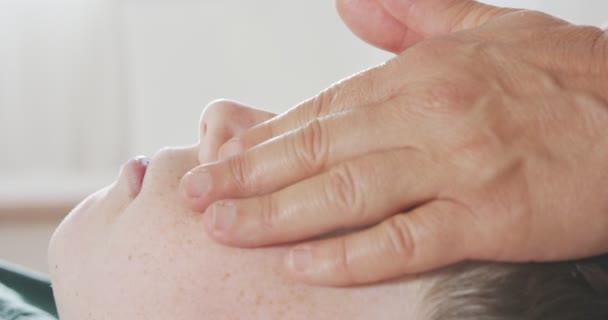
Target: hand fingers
pixel 335 200
pixel 361 90
pixel 302 153
pixel 431 236
pixel 397 25
pixel 222 120
pixel 426 17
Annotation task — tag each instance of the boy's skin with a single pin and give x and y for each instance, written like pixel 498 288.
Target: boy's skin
pixel 135 251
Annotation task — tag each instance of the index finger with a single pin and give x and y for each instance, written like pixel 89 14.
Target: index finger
pixel 363 89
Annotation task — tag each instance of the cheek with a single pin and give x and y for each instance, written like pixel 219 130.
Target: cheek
pixel 159 263
pixel 75 245
pixel 153 260
pixel 156 262
pixel 79 230
pixel 150 261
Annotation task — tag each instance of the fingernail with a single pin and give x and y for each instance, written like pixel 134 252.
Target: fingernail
pixel 301 259
pixel 230 149
pixel 224 215
pixel 197 183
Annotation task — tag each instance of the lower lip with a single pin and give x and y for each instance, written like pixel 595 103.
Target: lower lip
pixel 135 171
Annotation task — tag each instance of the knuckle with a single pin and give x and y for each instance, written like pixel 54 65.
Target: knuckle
pixel 312 146
pixel 269 214
pixel 344 264
pixel 477 154
pixel 240 172
pixel 321 103
pixel 480 146
pixel 448 96
pixel 400 237
pixel 342 189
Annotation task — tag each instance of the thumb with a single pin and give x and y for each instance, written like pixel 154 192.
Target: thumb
pixel 395 25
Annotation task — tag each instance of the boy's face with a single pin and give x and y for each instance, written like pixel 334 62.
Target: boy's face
pixel 134 250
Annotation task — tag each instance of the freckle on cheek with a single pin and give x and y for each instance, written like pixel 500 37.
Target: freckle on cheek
pixel 226 276
pixel 259 299
pixel 241 294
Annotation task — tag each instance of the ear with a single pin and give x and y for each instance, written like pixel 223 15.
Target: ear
pixel 395 25
pixel 222 120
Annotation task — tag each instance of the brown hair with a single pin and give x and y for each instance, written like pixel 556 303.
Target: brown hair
pixel 572 290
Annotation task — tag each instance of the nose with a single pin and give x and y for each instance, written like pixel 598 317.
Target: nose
pixel 217 125
pixel 167 167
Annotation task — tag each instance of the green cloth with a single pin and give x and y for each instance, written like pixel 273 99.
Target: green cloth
pixel 25 295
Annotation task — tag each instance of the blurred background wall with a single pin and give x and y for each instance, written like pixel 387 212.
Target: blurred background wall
pixel 87 84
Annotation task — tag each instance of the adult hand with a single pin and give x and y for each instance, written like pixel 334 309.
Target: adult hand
pixel 488 141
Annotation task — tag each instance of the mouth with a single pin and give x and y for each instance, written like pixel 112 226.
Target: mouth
pixel 135 172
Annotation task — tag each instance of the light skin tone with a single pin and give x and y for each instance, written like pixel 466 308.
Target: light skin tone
pixel 136 251
pixel 485 138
